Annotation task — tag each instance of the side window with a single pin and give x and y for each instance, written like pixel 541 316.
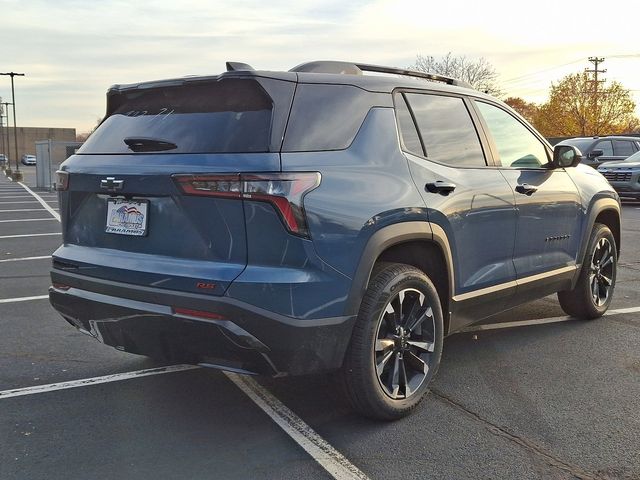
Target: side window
pixel 408 132
pixel 517 146
pixel 606 147
pixel 623 148
pixel 447 130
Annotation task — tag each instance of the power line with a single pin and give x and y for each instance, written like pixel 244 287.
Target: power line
pixel 542 71
pixel 526 75
pixel 630 55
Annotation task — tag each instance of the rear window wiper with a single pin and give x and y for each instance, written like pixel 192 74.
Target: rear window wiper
pixel 145 144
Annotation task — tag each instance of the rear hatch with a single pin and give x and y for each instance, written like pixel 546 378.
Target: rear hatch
pixel 127 217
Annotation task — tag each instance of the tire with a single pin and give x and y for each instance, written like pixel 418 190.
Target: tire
pixel 396 344
pixel 592 295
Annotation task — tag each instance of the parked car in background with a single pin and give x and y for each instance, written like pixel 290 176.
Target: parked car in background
pixel 28 159
pixel 4 160
pixel 597 150
pixel 624 176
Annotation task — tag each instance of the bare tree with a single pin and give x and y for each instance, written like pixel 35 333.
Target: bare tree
pixel 479 73
pixel 83 136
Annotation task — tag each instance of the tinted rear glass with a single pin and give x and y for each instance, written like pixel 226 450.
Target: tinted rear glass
pixel 328 117
pixel 582 145
pixel 408 132
pixel 446 129
pixel 623 147
pixel 229 116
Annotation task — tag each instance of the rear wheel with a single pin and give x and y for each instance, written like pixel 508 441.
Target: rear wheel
pixel 592 294
pixel 396 344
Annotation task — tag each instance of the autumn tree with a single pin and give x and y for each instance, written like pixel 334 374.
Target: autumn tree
pixel 527 109
pixel 479 73
pixel 579 107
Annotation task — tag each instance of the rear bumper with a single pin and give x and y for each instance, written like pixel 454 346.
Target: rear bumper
pixel 246 339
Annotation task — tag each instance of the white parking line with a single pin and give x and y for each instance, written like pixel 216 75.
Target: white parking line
pixel 21 259
pixel 13 196
pixel 55 214
pixel 541 321
pixel 23 210
pixel 23 299
pixel 27 220
pixel 26 201
pixel 30 235
pixel 18 392
pixel 320 450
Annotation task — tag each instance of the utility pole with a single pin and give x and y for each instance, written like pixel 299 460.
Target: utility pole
pixel 595 71
pixel 2 134
pixel 2 128
pixel 15 125
pixel 6 109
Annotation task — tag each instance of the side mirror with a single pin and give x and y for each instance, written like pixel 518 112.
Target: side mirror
pixel 566 156
pixel 596 153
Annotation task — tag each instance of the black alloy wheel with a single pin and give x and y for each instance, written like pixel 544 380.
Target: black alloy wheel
pixel 591 296
pixel 601 272
pixel 404 344
pixel 396 343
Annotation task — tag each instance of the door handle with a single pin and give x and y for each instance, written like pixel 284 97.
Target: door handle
pixel 526 189
pixel 443 188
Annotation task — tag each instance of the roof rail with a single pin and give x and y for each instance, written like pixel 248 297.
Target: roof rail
pixel 358 68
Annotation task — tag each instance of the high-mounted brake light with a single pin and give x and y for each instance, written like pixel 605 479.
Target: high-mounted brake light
pixel 62 180
pixel 285 191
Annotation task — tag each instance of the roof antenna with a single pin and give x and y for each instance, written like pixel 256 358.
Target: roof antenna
pixel 238 66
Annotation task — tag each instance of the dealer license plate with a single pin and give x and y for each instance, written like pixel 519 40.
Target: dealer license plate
pixel 127 217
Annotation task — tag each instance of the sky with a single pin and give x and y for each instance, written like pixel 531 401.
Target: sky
pixel 72 50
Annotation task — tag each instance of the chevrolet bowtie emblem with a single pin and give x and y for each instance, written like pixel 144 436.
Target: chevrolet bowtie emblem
pixel 111 184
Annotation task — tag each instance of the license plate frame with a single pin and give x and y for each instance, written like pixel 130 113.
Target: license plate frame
pixel 127 217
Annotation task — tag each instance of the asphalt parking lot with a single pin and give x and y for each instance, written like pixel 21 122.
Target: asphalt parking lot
pixel 542 399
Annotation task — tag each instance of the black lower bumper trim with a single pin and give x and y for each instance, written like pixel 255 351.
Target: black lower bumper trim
pixel 242 340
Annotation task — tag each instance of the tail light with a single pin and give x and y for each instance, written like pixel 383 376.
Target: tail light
pixel 62 180
pixel 285 191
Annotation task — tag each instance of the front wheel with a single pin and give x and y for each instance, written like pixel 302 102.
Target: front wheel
pixel 592 295
pixel 396 344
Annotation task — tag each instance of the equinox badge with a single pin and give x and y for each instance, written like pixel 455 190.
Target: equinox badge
pixel 111 184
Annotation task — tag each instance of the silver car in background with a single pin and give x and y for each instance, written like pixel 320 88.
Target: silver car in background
pixel 624 176
pixel 28 159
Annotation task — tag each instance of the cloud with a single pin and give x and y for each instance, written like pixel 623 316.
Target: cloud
pixel 73 50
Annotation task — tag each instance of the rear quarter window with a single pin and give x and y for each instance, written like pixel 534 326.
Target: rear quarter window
pixel 328 117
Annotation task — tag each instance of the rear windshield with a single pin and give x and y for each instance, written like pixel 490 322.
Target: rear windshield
pixel 228 116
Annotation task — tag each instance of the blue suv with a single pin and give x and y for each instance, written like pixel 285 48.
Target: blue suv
pixel 320 219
